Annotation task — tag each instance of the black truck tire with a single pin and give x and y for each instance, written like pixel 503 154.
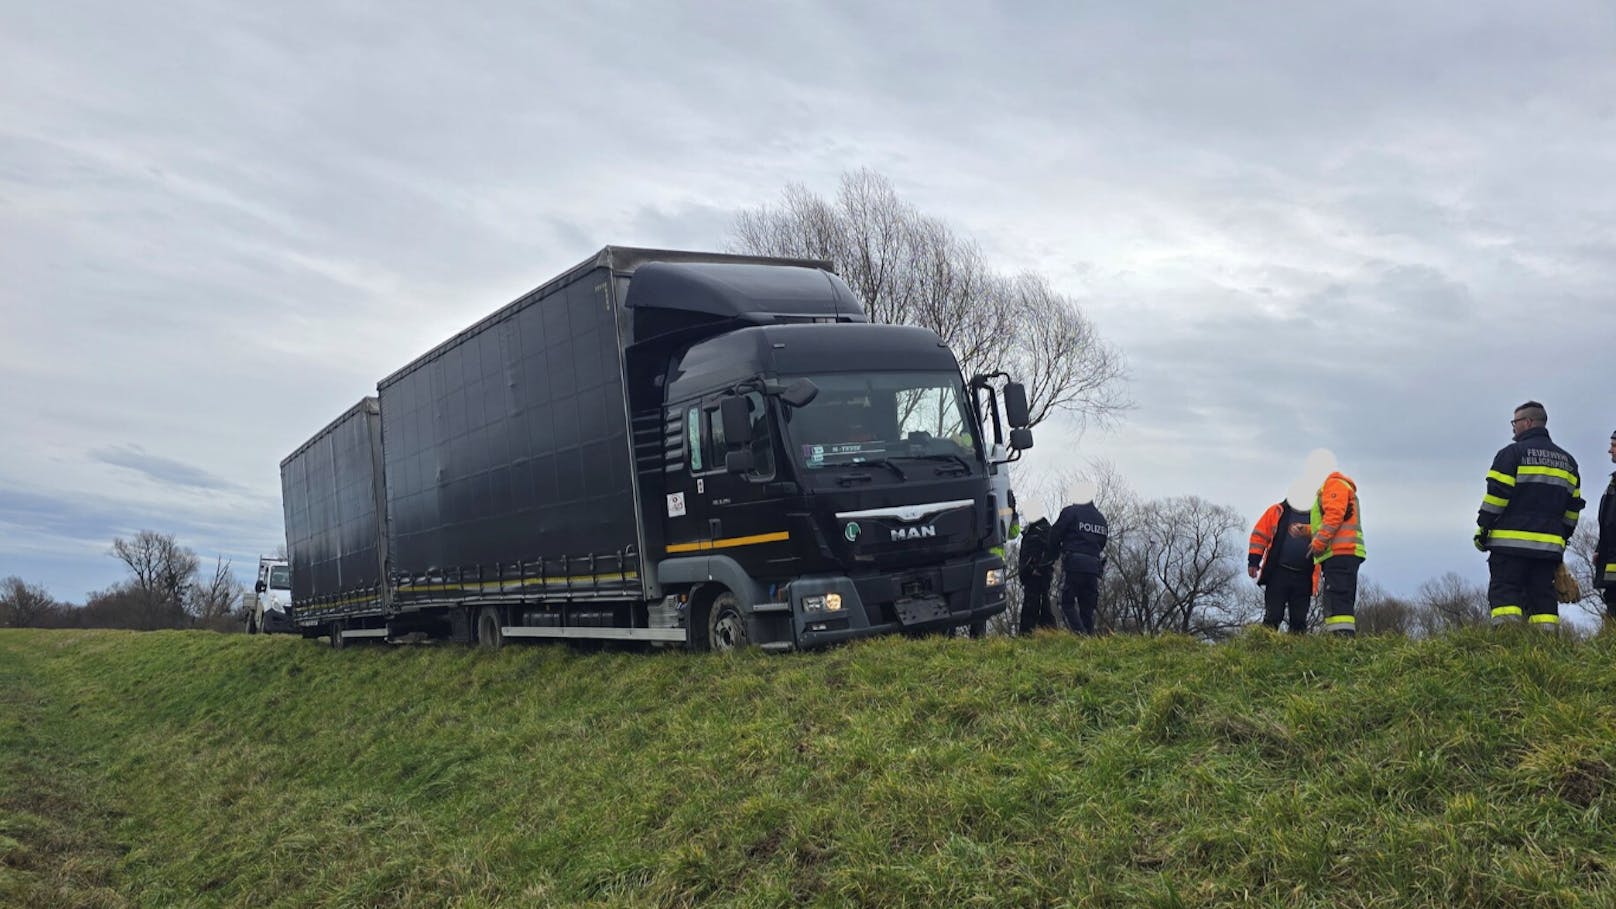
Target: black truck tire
pixel 488 628
pixel 726 625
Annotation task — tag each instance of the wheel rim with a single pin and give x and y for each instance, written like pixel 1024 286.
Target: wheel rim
pixel 729 632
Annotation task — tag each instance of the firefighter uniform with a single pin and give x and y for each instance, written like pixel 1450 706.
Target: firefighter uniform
pixel 1337 548
pixel 1528 513
pixel 1285 573
pixel 1605 548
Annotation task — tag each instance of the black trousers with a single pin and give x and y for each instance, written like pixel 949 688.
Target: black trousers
pixel 1080 597
pixel 1522 588
pixel 1339 579
pixel 1609 595
pixel 1035 612
pixel 1286 595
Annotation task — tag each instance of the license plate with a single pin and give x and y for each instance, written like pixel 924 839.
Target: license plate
pixel 920 609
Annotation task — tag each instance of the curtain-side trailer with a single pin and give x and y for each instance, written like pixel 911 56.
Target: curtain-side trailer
pixel 690 448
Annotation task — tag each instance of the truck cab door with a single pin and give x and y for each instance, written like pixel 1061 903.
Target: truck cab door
pixel 712 509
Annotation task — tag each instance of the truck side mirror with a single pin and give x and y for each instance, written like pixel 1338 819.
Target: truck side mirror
pixel 1015 407
pixel 737 417
pixel 739 461
pixel 1021 439
pixel 260 587
pixel 799 393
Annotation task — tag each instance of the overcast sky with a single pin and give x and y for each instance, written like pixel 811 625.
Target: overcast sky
pixel 1369 227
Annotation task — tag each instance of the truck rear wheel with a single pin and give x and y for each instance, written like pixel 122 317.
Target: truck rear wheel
pixel 489 634
pixel 726 626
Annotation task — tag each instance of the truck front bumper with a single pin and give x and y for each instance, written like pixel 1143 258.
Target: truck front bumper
pixel 920 600
pixel 278 622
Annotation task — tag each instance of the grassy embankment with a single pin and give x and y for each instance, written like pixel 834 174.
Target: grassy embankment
pixel 175 769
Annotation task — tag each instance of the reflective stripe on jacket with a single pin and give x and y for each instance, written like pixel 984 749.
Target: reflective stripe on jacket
pixel 1605 548
pixel 1336 520
pixel 1533 498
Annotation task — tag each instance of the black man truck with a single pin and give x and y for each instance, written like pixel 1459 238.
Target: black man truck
pixel 688 448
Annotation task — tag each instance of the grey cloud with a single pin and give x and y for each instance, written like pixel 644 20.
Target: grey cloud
pixel 165 471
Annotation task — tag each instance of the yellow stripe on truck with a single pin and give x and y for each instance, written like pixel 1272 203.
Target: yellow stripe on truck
pixel 778 536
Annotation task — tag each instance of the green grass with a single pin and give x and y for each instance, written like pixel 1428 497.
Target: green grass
pixel 194 769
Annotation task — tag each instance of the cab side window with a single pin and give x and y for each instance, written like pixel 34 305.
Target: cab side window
pixel 705 443
pixel 762 439
pixel 693 439
pixel 704 439
pixel 715 438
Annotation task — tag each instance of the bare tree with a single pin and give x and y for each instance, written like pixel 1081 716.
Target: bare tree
pixel 1173 568
pixel 25 605
pixel 911 269
pixel 163 574
pixel 1579 559
pixel 120 606
pixel 1449 603
pixel 216 597
pixel 1056 350
pixel 1378 612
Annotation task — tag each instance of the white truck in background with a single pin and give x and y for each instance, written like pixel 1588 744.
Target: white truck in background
pixel 268 606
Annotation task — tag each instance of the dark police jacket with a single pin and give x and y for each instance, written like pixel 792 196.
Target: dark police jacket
pixel 1533 497
pixel 1078 537
pixel 1033 563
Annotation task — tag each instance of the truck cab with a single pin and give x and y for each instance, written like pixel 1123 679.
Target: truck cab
pixel 269 605
pixel 836 483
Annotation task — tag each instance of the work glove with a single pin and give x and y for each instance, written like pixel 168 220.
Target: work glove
pixel 1480 539
pixel 1566 588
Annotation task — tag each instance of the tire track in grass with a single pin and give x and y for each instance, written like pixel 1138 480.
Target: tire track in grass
pixel 55 848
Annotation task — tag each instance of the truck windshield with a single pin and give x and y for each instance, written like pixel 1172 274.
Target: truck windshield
pixel 280 577
pixel 878 417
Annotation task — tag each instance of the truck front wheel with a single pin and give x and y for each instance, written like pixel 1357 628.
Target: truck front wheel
pixel 726 626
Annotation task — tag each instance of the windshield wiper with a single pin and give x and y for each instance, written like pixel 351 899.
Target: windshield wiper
pixel 874 462
pixel 964 465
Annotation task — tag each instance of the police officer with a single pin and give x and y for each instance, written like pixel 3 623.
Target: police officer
pixel 1605 549
pixel 1078 540
pixel 1035 569
pixel 1527 515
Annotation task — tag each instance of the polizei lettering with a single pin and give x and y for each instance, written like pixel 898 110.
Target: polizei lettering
pixel 913 533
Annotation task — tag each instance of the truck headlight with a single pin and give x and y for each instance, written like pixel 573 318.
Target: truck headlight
pixel 995 577
pixel 829 602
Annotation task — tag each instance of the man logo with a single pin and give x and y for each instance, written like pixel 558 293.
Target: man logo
pixel 851 531
pixel 913 533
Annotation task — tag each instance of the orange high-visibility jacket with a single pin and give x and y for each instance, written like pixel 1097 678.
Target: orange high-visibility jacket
pixel 1265 542
pixel 1337 523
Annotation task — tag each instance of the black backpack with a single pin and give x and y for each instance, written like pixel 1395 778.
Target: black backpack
pixel 1034 555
